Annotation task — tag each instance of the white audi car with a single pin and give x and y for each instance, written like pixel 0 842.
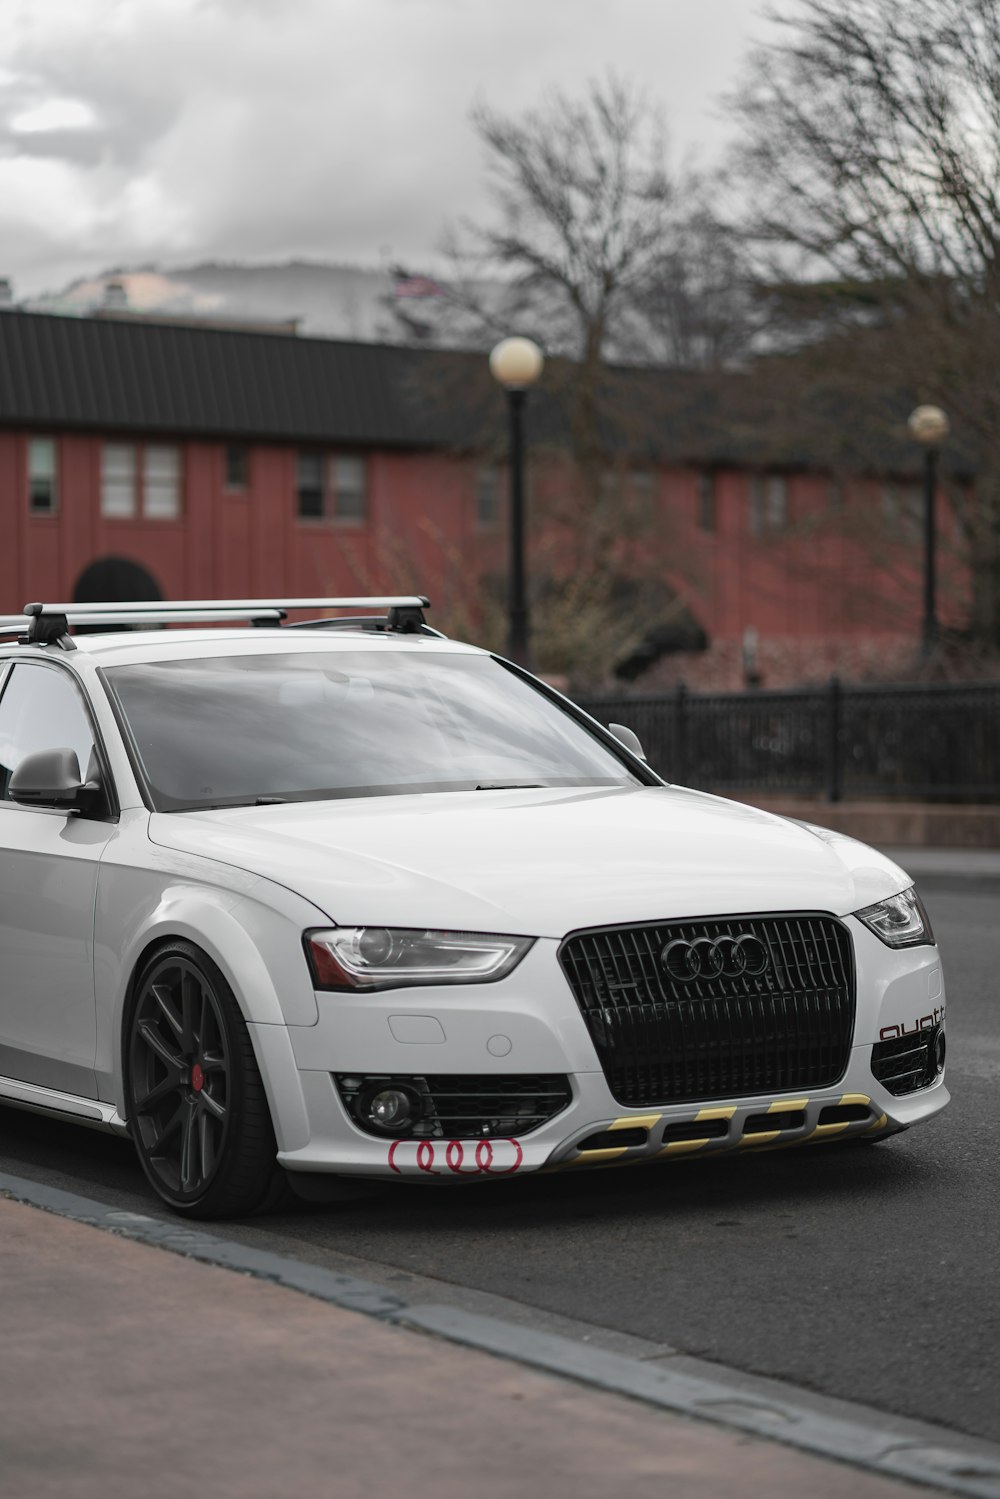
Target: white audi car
pixel 314 904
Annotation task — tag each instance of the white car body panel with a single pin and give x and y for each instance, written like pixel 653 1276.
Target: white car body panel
pixel 48 885
pixel 244 885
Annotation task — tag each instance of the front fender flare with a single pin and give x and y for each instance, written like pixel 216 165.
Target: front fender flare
pixel 255 947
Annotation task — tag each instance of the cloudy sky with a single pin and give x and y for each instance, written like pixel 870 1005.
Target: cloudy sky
pixel 178 130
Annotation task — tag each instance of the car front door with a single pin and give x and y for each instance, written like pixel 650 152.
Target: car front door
pixel 48 881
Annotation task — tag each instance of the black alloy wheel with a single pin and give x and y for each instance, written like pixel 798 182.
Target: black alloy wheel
pixel 195 1101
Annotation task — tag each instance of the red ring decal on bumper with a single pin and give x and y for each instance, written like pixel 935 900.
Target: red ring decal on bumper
pixel 486 1160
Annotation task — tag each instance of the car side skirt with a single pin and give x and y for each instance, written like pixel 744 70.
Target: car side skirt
pixel 38 1100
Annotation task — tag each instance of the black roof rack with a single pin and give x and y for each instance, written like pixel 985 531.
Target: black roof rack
pixel 399 621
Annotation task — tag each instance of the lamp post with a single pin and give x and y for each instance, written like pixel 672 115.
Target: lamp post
pixel 929 425
pixel 516 364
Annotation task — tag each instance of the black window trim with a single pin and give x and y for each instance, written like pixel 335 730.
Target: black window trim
pixel 112 812
pixel 641 769
pixel 125 733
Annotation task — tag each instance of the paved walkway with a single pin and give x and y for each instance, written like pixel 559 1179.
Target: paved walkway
pixel 130 1371
pixel 895 823
pixel 951 863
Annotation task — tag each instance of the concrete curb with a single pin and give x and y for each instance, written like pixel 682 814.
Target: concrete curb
pixel 946 1460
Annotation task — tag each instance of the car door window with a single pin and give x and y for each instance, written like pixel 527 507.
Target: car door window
pixel 41 709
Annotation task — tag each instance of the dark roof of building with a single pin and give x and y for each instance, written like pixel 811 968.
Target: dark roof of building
pixel 71 372
pixel 64 373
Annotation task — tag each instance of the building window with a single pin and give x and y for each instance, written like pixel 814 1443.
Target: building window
pixel 487 499
pixel 349 489
pixel 237 465
pixel 776 502
pixel 118 471
pixel 706 502
pixel 902 510
pixel 768 503
pixel 309 485
pixel 43 494
pixel 161 483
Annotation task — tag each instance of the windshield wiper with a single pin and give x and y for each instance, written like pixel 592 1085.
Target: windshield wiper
pixel 511 786
pixel 261 801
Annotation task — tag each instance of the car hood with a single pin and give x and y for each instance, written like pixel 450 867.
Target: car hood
pixel 537 862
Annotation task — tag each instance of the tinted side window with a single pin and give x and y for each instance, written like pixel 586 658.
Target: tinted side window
pixel 40 709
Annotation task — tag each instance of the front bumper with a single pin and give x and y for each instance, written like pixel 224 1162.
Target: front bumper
pixel 529 1023
pixel 341 1148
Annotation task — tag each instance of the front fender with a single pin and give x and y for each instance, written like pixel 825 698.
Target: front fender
pixel 254 939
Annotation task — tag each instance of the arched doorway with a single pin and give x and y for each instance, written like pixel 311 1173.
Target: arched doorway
pixel 115 580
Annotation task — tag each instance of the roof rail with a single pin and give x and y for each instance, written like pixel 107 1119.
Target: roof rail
pixel 248 606
pixel 49 624
pixel 397 621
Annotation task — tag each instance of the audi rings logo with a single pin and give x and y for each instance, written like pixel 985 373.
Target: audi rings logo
pixel 455 1157
pixel 714 958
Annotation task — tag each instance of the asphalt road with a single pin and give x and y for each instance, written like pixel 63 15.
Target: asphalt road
pixel 866 1273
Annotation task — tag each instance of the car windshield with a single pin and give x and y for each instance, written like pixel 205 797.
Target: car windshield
pixel 238 730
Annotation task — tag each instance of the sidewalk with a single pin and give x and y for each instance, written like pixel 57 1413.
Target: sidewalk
pixel 948 863
pixel 896 824
pixel 130 1371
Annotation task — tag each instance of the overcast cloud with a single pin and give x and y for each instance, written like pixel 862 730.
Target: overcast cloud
pixel 174 130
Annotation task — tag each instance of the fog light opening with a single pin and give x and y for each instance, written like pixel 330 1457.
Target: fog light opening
pixel 940 1048
pixel 388 1108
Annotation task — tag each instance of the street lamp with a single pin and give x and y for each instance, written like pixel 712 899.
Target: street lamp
pixel 929 425
pixel 516 364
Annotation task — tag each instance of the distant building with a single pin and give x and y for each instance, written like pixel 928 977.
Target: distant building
pixel 149 459
pixel 327 301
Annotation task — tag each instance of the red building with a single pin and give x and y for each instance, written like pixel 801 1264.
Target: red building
pixel 228 463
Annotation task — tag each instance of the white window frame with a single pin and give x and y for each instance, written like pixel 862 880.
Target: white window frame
pixel 47 473
pixel 119 490
pixel 355 464
pixel 162 481
pixel 768 504
pixel 489 498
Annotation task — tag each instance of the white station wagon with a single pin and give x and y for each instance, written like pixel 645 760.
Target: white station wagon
pixel 309 904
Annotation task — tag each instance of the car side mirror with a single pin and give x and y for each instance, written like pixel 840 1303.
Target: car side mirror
pixel 51 778
pixel 630 740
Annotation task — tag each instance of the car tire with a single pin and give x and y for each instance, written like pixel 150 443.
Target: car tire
pixel 194 1099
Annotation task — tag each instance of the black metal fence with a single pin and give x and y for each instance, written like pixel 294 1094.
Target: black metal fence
pixel 927 743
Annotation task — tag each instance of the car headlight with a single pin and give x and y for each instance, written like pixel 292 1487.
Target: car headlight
pixel 375 957
pixel 900 921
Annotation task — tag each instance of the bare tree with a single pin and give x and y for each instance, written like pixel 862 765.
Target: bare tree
pixel 585 209
pixel 870 176
pixel 593 245
pixel 595 248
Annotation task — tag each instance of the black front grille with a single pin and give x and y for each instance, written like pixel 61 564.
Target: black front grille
pixel 468 1108
pixel 907 1063
pixel 664 1040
